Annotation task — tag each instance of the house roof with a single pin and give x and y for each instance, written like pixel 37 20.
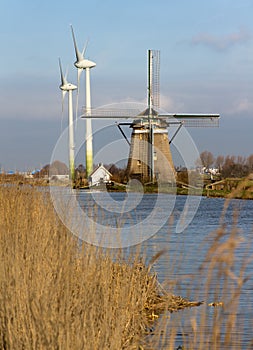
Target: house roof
pixel 100 166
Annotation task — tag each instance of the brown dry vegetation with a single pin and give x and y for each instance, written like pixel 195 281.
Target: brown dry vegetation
pixel 58 294
pixel 54 295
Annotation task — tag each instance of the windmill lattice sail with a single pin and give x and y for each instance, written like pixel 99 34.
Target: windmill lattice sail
pixel 189 120
pixel 154 79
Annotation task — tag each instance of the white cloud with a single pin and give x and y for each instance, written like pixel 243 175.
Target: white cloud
pixel 222 43
pixel 169 104
pixel 243 105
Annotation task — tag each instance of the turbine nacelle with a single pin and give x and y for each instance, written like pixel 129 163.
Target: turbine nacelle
pixel 68 87
pixel 84 64
pixel 65 85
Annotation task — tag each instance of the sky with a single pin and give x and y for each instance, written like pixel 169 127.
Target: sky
pixel 206 50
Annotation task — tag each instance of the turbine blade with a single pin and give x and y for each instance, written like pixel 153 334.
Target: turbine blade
pixel 77 106
pixel 85 47
pixel 79 56
pixel 79 72
pixel 63 79
pixel 66 74
pixel 62 107
pixel 63 96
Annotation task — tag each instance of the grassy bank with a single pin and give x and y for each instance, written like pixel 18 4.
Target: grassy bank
pixel 230 187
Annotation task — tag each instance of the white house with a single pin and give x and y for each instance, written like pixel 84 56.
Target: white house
pixel 100 175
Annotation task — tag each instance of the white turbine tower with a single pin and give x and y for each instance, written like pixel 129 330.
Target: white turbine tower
pixel 68 87
pixel 84 64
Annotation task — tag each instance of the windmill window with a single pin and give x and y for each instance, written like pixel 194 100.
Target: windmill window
pixel 155 156
pixel 138 162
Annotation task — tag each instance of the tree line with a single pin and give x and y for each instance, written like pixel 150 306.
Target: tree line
pixel 228 166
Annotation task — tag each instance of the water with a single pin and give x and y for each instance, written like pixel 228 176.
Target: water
pixel 180 269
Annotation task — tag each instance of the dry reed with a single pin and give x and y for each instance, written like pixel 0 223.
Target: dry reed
pixel 55 294
pixel 58 294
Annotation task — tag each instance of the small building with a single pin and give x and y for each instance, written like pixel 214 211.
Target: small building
pixel 100 175
pixel 59 178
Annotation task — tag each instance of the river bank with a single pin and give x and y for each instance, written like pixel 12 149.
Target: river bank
pixel 241 189
pixel 226 188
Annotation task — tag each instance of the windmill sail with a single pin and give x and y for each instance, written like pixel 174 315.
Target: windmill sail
pixel 192 120
pixel 153 108
pixel 189 120
pixel 154 79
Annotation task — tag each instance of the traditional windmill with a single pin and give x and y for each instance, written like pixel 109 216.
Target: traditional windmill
pixel 150 157
pixel 68 87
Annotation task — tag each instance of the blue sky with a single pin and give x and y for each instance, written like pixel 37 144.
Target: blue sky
pixel 206 67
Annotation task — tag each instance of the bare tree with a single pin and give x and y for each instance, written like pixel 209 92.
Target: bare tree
pixel 250 162
pixel 207 159
pixel 219 162
pixel 229 166
pixel 241 160
pixel 235 167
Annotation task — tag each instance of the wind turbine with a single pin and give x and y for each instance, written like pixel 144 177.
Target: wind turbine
pixel 84 64
pixel 68 87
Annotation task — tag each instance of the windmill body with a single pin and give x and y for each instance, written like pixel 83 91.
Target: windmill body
pixel 84 64
pixel 67 87
pixel 150 157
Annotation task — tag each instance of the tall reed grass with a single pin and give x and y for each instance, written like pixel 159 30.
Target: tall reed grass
pixel 56 293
